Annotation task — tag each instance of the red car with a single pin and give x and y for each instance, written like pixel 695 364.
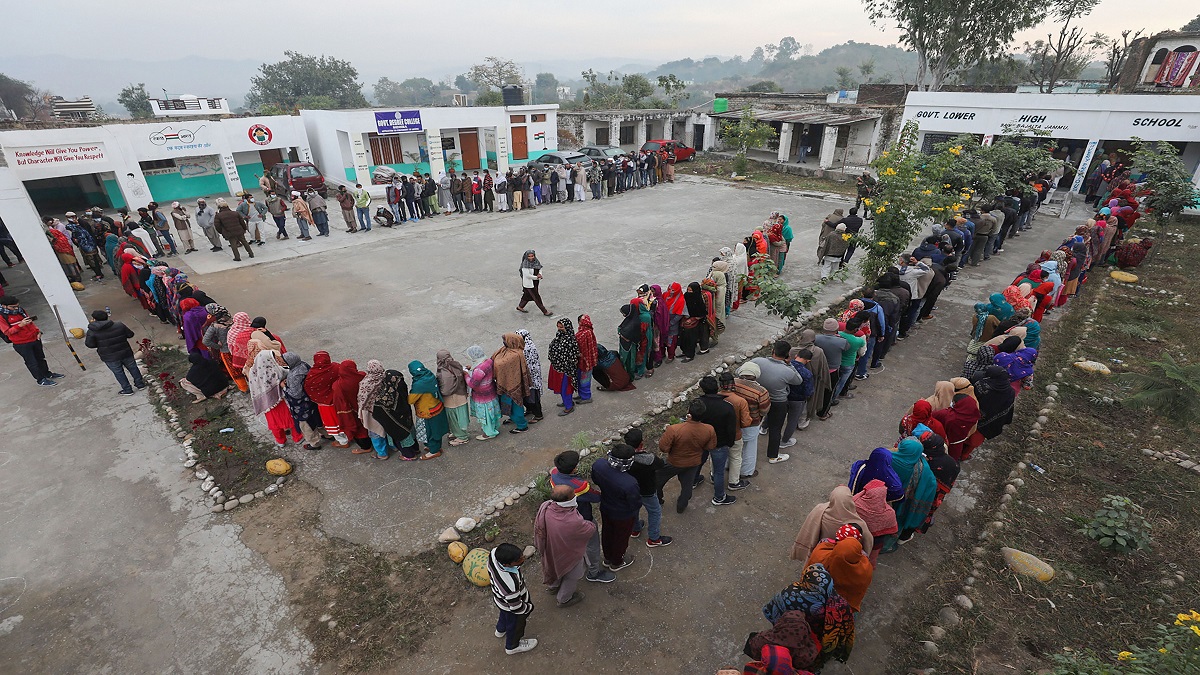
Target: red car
pixel 682 152
pixel 300 176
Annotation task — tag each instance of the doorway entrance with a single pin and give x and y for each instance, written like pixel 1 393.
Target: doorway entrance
pixel 74 193
pixel 520 143
pixel 270 158
pixel 469 142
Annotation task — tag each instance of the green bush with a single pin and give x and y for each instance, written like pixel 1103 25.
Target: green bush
pixel 1119 525
pixel 1175 650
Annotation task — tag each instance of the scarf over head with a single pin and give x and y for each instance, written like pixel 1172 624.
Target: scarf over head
pixel 512 369
pixel 476 354
pixel 959 422
pixel 424 381
pixel 452 380
pixel 393 397
pixel 784 649
pixel 297 372
pixel 630 328
pixel 265 377
pixel 920 486
pixel 318 384
pixel 694 301
pixel 239 335
pixel 585 337
pixel 828 613
pixel 527 264
pixel 1016 298
pixel 345 389
pixel 872 506
pixel 848 565
pixel 943 395
pixel 999 307
pixel 208 377
pixel 533 359
pixel 368 388
pixel 564 352
pixel 674 299
pixel 662 315
pixel 825 519
pixel 878 466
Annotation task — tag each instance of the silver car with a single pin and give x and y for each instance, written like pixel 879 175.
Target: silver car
pixel 561 157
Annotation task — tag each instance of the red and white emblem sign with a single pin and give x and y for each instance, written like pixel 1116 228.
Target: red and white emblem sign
pixel 260 134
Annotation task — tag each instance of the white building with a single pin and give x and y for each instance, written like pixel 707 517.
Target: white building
pixel 349 145
pixel 188 105
pixel 1083 128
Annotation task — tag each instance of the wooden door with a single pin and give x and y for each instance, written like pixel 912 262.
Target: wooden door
pixel 270 158
pixel 520 143
pixel 469 142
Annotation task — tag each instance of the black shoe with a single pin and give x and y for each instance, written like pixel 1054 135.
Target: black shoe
pixel 740 485
pixel 124 392
pixel 140 386
pixel 47 382
pixel 698 482
pixel 57 376
pixel 724 501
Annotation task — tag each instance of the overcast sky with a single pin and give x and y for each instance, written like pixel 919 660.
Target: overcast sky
pixel 434 37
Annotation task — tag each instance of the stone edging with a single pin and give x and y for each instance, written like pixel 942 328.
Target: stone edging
pixel 213 495
pixel 470 521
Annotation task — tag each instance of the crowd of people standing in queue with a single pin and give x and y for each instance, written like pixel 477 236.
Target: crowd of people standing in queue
pixel 889 496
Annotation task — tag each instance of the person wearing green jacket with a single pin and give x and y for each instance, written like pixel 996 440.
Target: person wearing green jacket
pixel 362 204
pixel 787 242
pixel 850 356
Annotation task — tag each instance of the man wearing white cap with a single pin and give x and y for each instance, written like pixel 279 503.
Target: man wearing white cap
pixel 204 218
pixel 183 225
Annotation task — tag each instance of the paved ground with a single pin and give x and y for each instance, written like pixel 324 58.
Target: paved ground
pixel 113 555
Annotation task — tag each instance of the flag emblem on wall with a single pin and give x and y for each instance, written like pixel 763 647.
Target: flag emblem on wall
pixel 539 136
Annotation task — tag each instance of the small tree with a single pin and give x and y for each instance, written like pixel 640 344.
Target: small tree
pixel 489 97
pixel 766 86
pixel 636 87
pixel 1116 54
pixel 845 77
pixel 744 134
pixel 136 101
pixel 1168 182
pixel 1169 389
pixel 495 72
pixel 673 87
pixel 545 88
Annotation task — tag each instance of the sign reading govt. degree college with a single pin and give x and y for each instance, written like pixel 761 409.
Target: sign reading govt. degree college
pixel 397 121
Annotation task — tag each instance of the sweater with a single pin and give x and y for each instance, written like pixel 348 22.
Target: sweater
pixel 775 376
pixel 509 591
pixel 684 443
pixel 720 414
pixel 19 335
pixel 645 472
pixel 851 354
pixel 110 339
pixel 758 399
pixel 621 497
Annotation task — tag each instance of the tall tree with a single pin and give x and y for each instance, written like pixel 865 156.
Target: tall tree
pixel 495 72
pixel 13 93
pixel 866 69
pixel 413 91
pixel 948 35
pixel 787 49
pixel 766 86
pixel 1117 54
pixel 1192 25
pixel 301 76
pixel 545 88
pixel 464 84
pixel 1063 56
pixel 673 87
pixel 636 87
pixel 136 101
pixel 39 104
pixel 845 77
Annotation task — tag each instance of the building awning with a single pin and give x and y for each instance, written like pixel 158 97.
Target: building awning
pixel 799 116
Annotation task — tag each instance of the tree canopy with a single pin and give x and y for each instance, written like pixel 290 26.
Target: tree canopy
pixel 413 91
pixel 545 88
pixel 304 81
pixel 495 72
pixel 136 101
pixel 948 35
pixel 1194 24
pixel 13 93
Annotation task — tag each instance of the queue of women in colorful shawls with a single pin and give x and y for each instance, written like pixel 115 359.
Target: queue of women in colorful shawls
pixel 894 493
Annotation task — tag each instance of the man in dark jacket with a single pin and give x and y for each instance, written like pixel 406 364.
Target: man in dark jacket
pixel 620 501
pixel 854 223
pixel 645 470
pixel 110 339
pixel 720 415
pixel 232 225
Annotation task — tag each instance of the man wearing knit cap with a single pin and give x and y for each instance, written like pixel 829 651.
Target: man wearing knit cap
pixel 183 225
pixel 744 464
pixel 834 347
pixel 620 502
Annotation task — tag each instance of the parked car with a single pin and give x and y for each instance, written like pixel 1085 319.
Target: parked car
pixel 300 176
pixel 601 151
pixel 560 157
pixel 682 152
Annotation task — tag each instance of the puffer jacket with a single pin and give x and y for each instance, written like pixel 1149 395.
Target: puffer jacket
pixel 110 339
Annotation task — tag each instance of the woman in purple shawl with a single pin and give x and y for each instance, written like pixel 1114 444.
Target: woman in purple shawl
pixel 193 320
pixel 662 325
pixel 877 466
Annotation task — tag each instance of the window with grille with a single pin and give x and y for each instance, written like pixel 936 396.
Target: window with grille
pixel 385 149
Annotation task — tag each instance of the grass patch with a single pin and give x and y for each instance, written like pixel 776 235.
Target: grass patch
pixel 236 459
pixel 761 173
pixel 1100 602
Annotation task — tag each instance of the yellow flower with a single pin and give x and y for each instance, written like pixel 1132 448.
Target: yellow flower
pixel 956 150
pixel 886 203
pixel 885 153
pixel 945 185
pixel 867 202
pixel 1195 629
pixel 1184 617
pixel 847 237
pixel 889 171
pixel 1162 650
pixel 883 243
pixel 1125 656
pixel 927 192
pixel 956 207
pixel 939 208
pixel 916 173
pixel 880 210
pixel 1195 615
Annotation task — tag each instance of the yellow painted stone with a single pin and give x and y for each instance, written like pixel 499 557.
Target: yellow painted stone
pixel 1093 367
pixel 457 551
pixel 1027 564
pixel 474 566
pixel 1123 277
pixel 278 467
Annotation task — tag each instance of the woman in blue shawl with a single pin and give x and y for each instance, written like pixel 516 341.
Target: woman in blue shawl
pixel 920 489
pixel 999 307
pixel 111 242
pixel 426 399
pixel 877 466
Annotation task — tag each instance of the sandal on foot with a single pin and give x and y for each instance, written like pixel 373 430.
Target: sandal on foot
pixel 434 455
pixel 361 451
pixel 523 311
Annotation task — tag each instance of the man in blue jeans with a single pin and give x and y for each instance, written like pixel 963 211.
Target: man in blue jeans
pixel 362 204
pixel 110 339
pixel 720 415
pixel 645 469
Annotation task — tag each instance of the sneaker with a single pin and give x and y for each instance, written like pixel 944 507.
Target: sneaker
pixel 500 634
pixel 803 425
pixel 56 376
pixel 905 540
pixel 125 392
pixel 740 485
pixel 602 577
pixel 635 534
pixel 575 599
pixel 698 482
pixel 663 540
pixel 783 457
pixel 1000 250
pixel 879 367
pixel 788 443
pixel 523 646
pixel 724 501
pixel 47 382
pixel 625 562
pixel 861 377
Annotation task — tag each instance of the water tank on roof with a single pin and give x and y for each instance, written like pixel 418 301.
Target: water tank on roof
pixel 513 95
pixel 720 105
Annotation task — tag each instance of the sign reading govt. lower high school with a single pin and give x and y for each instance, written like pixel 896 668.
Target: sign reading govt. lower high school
pixel 398 121
pixel 57 154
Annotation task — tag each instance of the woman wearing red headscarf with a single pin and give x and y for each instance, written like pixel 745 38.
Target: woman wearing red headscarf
pixel 922 413
pixel 318 384
pixel 345 404
pixel 675 303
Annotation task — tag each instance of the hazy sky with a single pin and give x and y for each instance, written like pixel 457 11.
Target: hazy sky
pixel 434 37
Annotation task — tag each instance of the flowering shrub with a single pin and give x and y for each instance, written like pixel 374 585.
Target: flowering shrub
pixel 1176 649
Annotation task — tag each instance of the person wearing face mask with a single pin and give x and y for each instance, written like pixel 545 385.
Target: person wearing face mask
pixel 254 214
pixel 205 217
pixel 183 225
pixel 277 206
pixel 511 596
pixel 320 211
pixel 561 536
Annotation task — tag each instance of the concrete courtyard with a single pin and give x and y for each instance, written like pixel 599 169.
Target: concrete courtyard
pixel 115 564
